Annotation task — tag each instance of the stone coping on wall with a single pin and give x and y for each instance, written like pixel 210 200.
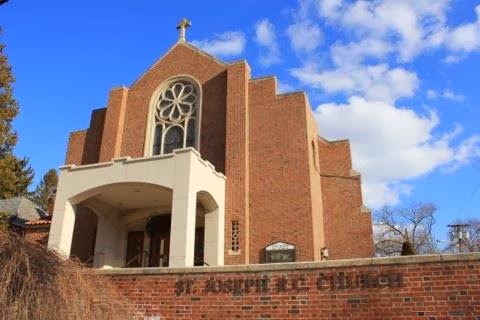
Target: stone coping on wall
pixel 434 258
pixel 128 160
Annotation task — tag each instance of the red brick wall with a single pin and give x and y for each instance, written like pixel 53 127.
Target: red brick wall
pixel 125 120
pixel 114 120
pixel 237 162
pixel 430 288
pixel 76 144
pixel 93 139
pixel 347 224
pixel 280 199
pixel 84 145
pixel 181 60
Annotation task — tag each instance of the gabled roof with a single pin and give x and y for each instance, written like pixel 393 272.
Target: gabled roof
pixel 21 210
pixel 187 45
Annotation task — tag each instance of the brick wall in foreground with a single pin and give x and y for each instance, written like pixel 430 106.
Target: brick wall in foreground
pixel 423 287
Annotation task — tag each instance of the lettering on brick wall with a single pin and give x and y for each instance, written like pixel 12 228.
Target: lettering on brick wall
pixel 290 284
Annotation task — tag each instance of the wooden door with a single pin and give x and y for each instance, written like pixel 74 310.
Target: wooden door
pixel 159 250
pixel 134 249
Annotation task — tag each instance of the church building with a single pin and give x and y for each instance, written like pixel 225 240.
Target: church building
pixel 197 163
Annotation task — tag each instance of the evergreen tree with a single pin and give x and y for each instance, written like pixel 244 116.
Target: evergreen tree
pixel 15 174
pixel 8 106
pixel 46 189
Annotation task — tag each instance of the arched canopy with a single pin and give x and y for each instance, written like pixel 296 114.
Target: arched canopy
pixel 126 195
pixel 207 201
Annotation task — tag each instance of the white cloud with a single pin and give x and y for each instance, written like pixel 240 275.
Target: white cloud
pixel 305 36
pixel 356 52
pixel 432 94
pixel 284 87
pixel 446 94
pixel 378 194
pixel 466 152
pixel 231 43
pixel 408 25
pixel 377 82
pixel 392 145
pixel 330 8
pixel 266 37
pixel 462 39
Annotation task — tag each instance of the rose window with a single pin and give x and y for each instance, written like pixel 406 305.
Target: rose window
pixel 177 102
pixel 175 117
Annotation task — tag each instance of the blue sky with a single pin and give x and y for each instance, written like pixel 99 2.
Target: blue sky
pixel 398 78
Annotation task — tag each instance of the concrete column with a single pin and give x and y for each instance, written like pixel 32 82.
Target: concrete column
pixel 121 247
pixel 105 242
pixel 214 237
pixel 182 232
pixel 61 230
pixel 106 237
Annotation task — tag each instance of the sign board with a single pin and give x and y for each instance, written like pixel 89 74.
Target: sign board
pixel 279 252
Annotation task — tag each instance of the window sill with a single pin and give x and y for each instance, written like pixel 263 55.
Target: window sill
pixel 234 253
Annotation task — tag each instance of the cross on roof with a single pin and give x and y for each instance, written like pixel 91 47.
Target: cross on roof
pixel 181 27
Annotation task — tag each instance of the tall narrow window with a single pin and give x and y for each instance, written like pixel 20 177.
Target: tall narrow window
pixel 235 236
pixel 157 140
pixel 191 133
pixel 176 117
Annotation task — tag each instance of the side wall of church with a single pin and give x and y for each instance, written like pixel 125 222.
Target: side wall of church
pixel 347 224
pixel 280 193
pixel 237 163
pixel 76 144
pixel 114 123
pixel 315 185
pixel 84 146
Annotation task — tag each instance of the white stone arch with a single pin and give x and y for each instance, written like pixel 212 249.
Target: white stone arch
pixel 87 194
pixel 150 127
pixel 207 200
pixel 214 228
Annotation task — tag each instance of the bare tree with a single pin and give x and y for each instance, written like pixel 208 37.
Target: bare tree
pixel 466 238
pixel 411 224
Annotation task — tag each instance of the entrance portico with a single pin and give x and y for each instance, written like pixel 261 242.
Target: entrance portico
pixel 178 193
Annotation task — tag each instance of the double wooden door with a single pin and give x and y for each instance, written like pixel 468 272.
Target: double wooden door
pixel 159 249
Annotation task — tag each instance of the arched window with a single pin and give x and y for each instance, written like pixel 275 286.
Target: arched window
pixel 175 120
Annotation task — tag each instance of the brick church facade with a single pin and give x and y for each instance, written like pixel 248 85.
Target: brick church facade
pixel 198 163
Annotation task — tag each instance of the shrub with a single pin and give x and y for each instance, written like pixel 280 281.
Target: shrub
pixel 407 249
pixel 38 284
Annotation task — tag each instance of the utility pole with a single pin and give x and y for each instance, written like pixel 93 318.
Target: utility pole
pixel 458 235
